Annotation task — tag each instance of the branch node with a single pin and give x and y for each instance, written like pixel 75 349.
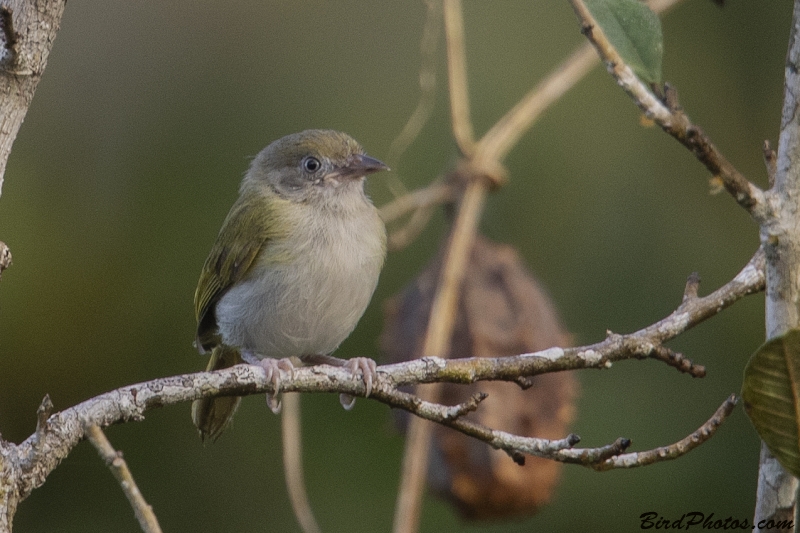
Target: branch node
pixel 679 361
pixel 5 257
pixel 611 450
pixel 524 382
pixel 771 162
pixel 10 52
pixel 517 457
pixel 692 285
pixel 670 99
pixel 37 440
pixel 457 411
pixel 491 172
pixel 42 414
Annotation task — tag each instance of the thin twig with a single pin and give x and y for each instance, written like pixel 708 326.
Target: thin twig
pixel 426 103
pixel 480 169
pixel 405 235
pixel 291 436
pixel 673 120
pixel 443 309
pixel 457 76
pixel 457 411
pixel 433 194
pixel 506 132
pixel 421 204
pixel 113 459
pixel 678 361
pixel 427 84
pixel 677 449
pixel 437 340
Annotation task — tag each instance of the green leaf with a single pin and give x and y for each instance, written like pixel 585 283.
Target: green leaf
pixel 635 31
pixel 771 394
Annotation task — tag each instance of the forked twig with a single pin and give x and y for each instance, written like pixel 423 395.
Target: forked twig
pixel 113 459
pixel 677 449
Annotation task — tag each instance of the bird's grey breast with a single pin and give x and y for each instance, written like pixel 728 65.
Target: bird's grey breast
pixel 309 300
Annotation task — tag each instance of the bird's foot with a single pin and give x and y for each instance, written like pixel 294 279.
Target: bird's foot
pixel 369 372
pixel 273 369
pixel 366 366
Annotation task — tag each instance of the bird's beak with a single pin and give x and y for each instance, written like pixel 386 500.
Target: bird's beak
pixel 359 165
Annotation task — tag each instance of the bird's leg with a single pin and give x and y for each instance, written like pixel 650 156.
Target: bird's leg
pixel 365 365
pixel 273 369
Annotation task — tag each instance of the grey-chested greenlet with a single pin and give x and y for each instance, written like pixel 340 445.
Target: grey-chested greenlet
pixel 294 266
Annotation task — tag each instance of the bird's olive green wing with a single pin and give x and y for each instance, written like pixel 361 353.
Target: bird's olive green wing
pixel 250 225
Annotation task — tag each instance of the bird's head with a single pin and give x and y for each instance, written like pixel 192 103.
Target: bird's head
pixel 313 165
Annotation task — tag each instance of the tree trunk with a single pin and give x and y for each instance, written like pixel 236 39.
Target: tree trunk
pixel 27 31
pixel 776 494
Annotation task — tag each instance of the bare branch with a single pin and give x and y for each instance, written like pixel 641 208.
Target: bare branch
pixel 113 459
pixel 36 457
pixel 672 119
pixel 677 449
pixel 645 342
pixel 515 445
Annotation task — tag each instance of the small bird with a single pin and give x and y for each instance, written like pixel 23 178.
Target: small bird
pixel 293 267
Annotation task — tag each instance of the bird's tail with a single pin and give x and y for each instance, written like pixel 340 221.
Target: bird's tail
pixel 213 415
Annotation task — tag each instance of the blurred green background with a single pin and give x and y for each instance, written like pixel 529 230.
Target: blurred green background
pixel 131 155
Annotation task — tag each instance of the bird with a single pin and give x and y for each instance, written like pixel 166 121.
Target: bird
pixel 293 267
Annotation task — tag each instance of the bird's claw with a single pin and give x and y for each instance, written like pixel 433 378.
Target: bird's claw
pixel 369 372
pixel 347 401
pixel 273 368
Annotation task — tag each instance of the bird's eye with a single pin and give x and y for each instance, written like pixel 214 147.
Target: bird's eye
pixel 311 164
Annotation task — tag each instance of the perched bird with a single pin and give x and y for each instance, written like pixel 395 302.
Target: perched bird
pixel 294 266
